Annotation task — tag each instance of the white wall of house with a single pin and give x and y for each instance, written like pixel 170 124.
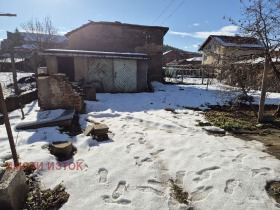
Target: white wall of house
pixel 215 53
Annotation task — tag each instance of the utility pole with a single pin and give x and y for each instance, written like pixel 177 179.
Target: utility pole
pixel 6 118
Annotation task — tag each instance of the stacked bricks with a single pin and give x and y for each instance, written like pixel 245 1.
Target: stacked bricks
pixel 56 92
pixel 98 131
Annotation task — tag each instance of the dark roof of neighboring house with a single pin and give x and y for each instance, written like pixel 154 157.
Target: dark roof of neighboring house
pixel 196 60
pixel 167 52
pixel 165 29
pixel 96 54
pixel 234 41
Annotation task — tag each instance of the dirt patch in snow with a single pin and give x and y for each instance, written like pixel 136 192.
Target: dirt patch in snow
pixel 243 124
pixel 74 129
pixel 273 189
pixel 271 142
pixel 44 199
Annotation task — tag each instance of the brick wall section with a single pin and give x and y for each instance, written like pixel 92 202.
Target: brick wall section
pixel 56 92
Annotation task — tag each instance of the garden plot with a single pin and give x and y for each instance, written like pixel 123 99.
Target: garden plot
pixel 149 145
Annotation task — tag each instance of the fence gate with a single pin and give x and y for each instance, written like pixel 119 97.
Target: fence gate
pixel 125 75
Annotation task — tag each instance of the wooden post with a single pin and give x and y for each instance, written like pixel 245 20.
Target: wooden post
pixel 8 127
pixel 14 71
pixel 202 75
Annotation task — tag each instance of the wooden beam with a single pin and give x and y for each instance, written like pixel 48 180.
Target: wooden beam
pixel 8 127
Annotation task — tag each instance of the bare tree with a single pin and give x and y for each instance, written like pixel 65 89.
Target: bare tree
pixel 40 35
pixel 14 40
pixel 261 19
pixel 242 73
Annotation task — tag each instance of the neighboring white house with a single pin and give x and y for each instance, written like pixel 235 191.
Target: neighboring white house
pixel 217 49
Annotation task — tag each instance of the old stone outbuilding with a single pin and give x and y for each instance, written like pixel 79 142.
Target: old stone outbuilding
pixel 108 72
pixel 123 38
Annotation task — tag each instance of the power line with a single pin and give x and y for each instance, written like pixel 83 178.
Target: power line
pixel 7 14
pixel 173 12
pixel 163 11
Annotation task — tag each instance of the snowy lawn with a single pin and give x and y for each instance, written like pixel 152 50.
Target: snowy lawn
pixel 149 146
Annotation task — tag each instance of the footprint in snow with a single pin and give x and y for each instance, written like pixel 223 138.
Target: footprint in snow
pixel 205 173
pixel 124 126
pixel 157 152
pixel 139 133
pixel 239 158
pixel 227 150
pixel 253 198
pixel 203 155
pixel 129 147
pixel 207 169
pixel 201 193
pixel 264 157
pixel 180 177
pixel 261 171
pixel 157 183
pixel 139 162
pixel 108 199
pixel 142 140
pixel 103 172
pixel 119 190
pixel 150 189
pixel 129 117
pixel 231 184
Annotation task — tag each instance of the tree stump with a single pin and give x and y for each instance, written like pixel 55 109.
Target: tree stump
pixel 61 148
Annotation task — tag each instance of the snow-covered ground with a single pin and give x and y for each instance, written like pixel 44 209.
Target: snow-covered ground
pixel 148 146
pixel 189 80
pixel 6 78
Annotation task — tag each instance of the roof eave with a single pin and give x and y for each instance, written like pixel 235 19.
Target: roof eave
pixel 96 54
pixel 204 43
pixel 164 29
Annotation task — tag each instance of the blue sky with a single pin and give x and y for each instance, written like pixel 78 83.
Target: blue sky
pixel 189 21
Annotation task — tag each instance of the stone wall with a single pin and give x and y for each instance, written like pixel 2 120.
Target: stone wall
pixel 142 68
pixel 81 68
pixel 56 92
pixel 122 38
pixel 52 64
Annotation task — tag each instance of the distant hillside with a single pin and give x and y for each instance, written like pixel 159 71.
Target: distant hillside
pixel 168 47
